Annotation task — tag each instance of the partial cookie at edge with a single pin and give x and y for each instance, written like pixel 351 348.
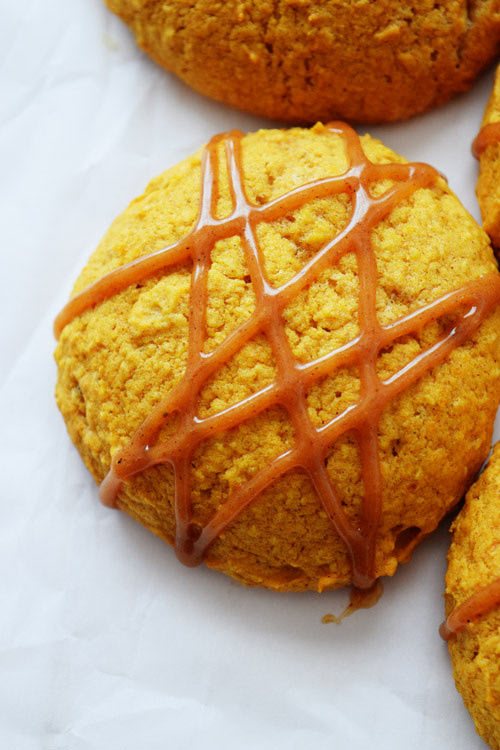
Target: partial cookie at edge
pixel 473 562
pixel 307 60
pixel 488 183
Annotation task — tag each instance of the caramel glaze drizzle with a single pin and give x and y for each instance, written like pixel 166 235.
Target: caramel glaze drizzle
pixel 311 444
pixel 487 136
pixel 484 600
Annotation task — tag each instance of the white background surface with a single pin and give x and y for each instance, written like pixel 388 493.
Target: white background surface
pixel 106 642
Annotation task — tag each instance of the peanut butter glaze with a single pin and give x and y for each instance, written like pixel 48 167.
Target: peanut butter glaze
pixel 311 444
pixel 487 136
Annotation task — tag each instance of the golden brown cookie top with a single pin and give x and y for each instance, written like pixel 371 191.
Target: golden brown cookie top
pixel 308 60
pixel 307 254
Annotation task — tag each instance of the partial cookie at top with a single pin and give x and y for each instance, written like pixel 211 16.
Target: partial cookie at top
pixel 308 60
pixel 488 184
pixel 473 563
pixel 118 360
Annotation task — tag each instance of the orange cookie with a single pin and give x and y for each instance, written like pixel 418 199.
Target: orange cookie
pixel 285 357
pixel 309 60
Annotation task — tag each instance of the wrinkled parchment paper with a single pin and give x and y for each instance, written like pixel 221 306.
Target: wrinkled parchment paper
pixel 106 642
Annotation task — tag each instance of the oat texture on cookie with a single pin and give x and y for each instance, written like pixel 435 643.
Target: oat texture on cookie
pixel 308 60
pixel 120 359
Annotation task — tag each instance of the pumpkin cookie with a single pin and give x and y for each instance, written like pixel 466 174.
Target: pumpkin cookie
pixel 472 590
pixel 308 60
pixel 285 357
pixel 487 149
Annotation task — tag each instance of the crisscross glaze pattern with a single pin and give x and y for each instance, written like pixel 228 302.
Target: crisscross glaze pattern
pixel 470 303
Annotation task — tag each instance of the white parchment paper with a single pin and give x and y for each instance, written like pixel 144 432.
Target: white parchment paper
pixel 105 640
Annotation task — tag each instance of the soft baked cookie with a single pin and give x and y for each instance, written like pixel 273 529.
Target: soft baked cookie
pixel 308 60
pixel 474 564
pixel 348 312
pixel 487 148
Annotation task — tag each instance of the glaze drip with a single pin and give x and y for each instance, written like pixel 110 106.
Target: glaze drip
pixel 484 600
pixel 311 444
pixel 487 136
